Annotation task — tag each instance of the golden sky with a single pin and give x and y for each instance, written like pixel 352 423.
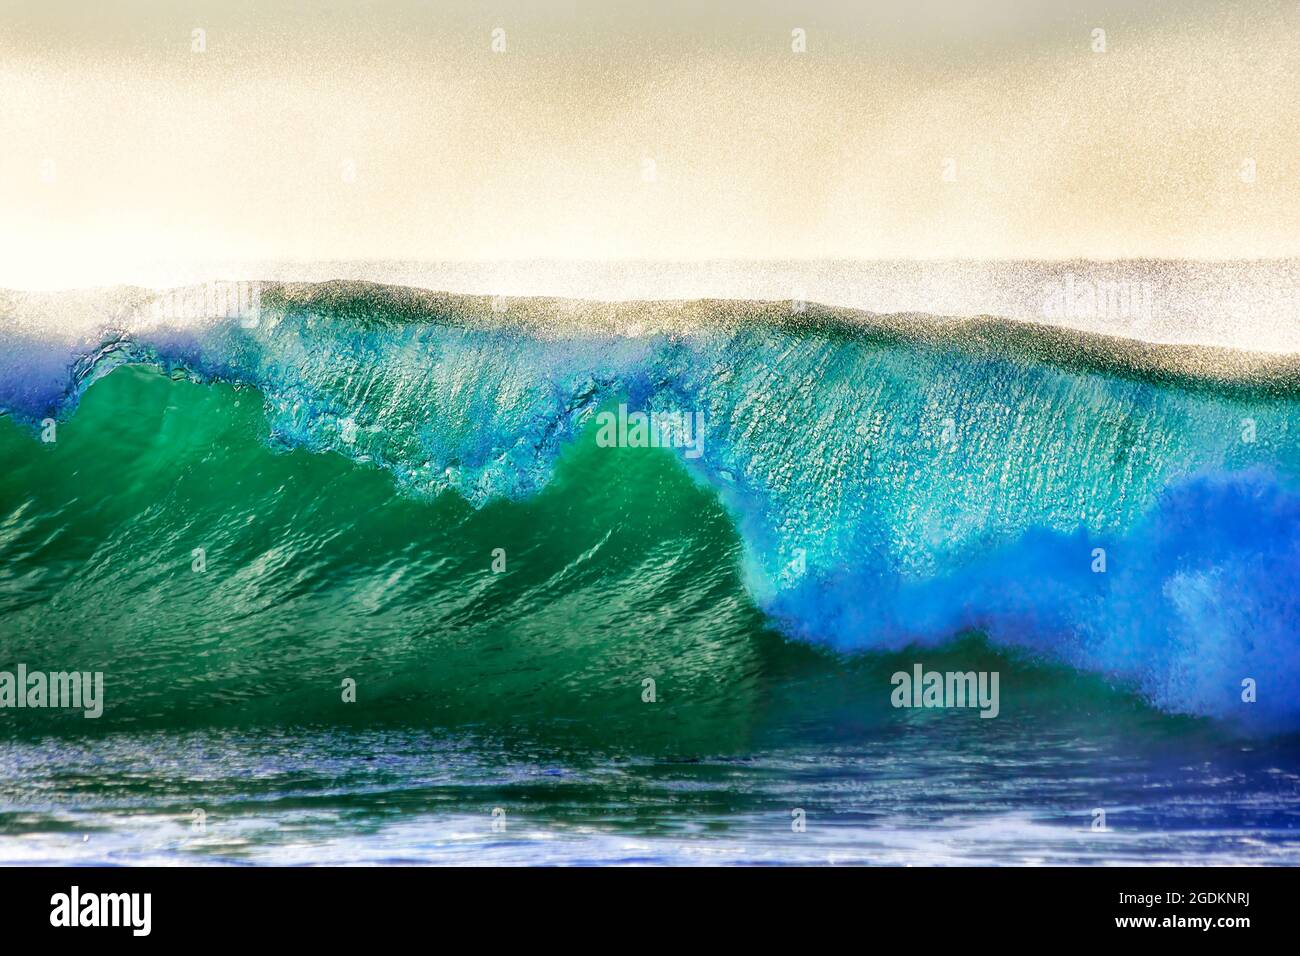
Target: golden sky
pixel 647 130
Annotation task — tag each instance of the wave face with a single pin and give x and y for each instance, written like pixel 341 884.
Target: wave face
pixel 886 483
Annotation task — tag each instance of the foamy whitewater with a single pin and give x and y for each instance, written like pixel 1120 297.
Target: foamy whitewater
pixel 500 516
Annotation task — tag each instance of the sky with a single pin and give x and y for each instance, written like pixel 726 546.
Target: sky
pixel 483 132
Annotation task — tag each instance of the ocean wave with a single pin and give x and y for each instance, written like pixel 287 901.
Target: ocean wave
pixel 894 479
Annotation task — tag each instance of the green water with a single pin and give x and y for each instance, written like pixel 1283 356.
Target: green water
pixel 316 570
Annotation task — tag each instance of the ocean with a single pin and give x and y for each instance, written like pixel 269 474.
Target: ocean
pixel 375 573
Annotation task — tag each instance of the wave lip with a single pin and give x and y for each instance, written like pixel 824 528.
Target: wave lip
pixel 55 341
pixel 1251 305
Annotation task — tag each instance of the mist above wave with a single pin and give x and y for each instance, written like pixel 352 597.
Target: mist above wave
pixel 1251 305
